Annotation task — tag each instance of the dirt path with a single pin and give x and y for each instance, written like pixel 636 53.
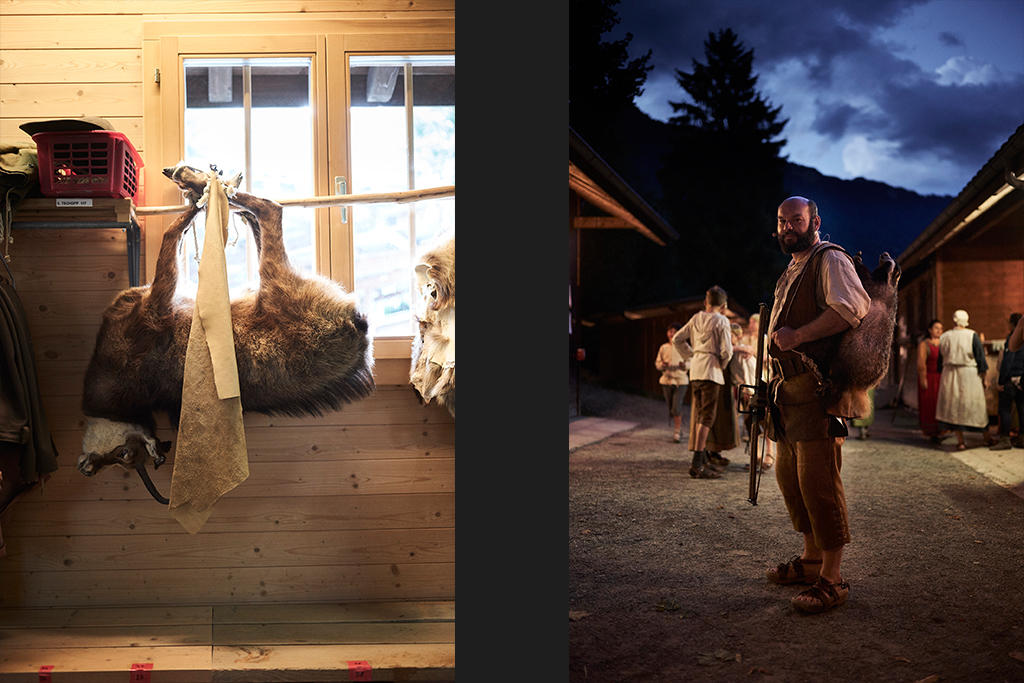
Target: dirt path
pixel 666 573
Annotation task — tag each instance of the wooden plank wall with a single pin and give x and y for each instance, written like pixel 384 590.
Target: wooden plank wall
pixel 357 505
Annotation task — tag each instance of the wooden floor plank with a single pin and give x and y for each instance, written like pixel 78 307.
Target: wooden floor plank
pixel 400 640
pixel 183 664
pixel 411 662
pixel 329 634
pixel 115 637
pixel 58 617
pixel 350 612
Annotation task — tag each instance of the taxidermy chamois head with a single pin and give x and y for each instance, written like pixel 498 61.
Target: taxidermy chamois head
pixel 301 345
pixel 432 372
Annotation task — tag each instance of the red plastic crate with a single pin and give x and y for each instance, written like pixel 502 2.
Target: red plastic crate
pixel 96 163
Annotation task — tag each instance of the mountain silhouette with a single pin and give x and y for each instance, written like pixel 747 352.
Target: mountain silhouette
pixel 861 215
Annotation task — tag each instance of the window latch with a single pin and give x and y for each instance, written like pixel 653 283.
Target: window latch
pixel 341 187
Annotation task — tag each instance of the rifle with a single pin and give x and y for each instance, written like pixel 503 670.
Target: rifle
pixel 758 405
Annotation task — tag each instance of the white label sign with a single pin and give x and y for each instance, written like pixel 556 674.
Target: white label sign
pixel 74 202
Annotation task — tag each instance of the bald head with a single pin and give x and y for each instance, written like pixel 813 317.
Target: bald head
pixel 796 201
pixel 798 224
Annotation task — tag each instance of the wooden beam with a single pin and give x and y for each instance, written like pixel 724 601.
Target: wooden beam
pixel 404 197
pixel 593 193
pixel 585 222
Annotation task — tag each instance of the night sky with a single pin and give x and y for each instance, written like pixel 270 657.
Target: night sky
pixel 914 93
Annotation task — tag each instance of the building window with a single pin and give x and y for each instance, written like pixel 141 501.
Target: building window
pixel 255 116
pixel 402 137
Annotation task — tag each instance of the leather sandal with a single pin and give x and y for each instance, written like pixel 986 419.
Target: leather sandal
pixel 822 596
pixel 795 571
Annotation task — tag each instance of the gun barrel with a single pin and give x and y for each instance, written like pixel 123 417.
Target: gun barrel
pixel 757 415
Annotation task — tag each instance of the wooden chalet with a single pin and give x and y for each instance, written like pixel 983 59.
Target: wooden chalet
pixel 629 341
pixel 599 199
pixel 970 257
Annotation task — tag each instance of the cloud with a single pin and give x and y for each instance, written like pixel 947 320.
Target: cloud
pixel 967 71
pixel 856 79
pixel 963 123
pixel 832 120
pixel 950 39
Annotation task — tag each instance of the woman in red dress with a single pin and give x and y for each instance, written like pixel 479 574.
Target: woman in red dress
pixel 928 374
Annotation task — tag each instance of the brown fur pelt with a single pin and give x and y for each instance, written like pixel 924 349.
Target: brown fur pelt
pixel 862 358
pixel 301 345
pixel 430 379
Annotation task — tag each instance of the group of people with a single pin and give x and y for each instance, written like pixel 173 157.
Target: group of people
pixel 817 298
pixel 706 363
pixel 951 371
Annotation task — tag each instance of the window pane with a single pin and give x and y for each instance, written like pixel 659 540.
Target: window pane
pixel 388 238
pixel 280 155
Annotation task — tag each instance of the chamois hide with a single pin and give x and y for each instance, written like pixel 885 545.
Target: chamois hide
pixel 301 345
pixel 862 358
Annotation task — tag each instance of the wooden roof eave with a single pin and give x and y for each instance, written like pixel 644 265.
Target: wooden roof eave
pixel 580 183
pixel 983 191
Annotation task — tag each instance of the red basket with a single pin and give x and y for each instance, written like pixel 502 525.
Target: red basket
pixel 96 163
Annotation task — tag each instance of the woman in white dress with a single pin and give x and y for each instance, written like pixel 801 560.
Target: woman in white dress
pixel 961 402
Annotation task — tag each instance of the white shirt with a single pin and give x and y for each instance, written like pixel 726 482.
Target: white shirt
pixel 668 356
pixel 706 337
pixel 838 288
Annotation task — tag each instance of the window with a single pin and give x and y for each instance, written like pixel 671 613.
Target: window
pixel 255 116
pixel 350 108
pixel 402 122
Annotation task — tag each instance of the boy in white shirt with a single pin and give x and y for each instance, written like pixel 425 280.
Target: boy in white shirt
pixel 706 337
pixel 674 379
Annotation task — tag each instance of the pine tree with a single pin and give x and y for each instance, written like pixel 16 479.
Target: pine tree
pixel 724 173
pixel 603 80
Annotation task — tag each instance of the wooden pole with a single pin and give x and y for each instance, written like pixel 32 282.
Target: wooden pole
pixel 332 200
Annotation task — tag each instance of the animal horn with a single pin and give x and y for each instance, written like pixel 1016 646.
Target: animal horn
pixel 1014 180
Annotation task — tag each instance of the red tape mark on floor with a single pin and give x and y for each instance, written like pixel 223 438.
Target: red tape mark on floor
pixel 140 672
pixel 359 670
pixel 44 673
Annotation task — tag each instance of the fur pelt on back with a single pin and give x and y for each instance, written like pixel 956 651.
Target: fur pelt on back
pixel 862 357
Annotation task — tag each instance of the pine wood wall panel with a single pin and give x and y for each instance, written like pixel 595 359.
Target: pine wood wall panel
pixel 72 66
pixel 70 32
pixel 266 480
pixel 130 126
pixel 173 551
pixel 40 517
pixel 70 100
pixel 199 7
pixel 220 586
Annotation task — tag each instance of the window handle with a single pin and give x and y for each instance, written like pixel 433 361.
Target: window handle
pixel 341 187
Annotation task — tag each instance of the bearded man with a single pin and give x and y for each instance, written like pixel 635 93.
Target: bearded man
pixel 817 298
